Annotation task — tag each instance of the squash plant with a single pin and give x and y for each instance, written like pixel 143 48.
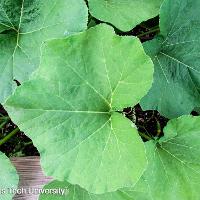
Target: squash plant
pixel 124 15
pixel 173 170
pixel 175 53
pixel 28 25
pixel 76 83
pixel 24 26
pixel 80 93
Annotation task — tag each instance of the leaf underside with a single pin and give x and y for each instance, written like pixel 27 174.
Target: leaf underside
pixel 29 24
pixel 70 110
pixel 175 53
pixel 124 15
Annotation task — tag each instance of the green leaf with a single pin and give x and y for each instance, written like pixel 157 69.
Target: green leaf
pixel 31 23
pixel 3 28
pixel 124 15
pixel 64 191
pixel 173 172
pixel 8 178
pixel 68 109
pixel 175 53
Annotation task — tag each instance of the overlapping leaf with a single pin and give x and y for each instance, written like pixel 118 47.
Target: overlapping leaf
pixel 28 24
pixel 173 172
pixel 8 178
pixel 175 53
pixel 72 192
pixel 124 14
pixel 70 110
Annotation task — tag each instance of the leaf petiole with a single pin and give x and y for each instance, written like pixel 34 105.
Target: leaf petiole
pixel 145 136
pixel 154 30
pixel 10 135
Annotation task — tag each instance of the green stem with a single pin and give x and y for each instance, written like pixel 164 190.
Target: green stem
pixel 4 118
pixel 145 136
pixel 5 121
pixel 28 143
pixel 159 130
pixel 3 124
pixel 154 27
pixel 10 135
pixel 148 32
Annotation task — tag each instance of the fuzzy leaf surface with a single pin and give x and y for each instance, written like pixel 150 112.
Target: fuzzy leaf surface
pixel 70 110
pixel 74 192
pixel 30 23
pixel 8 177
pixel 124 14
pixel 173 172
pixel 175 53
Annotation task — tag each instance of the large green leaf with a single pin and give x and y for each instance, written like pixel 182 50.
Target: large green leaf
pixel 173 171
pixel 68 109
pixel 124 14
pixel 64 191
pixel 175 53
pixel 8 178
pixel 31 22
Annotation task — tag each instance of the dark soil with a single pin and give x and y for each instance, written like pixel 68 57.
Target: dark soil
pixel 149 122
